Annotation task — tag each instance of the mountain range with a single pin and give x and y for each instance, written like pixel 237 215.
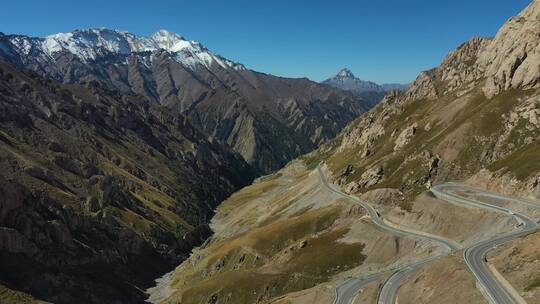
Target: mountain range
pixel 269 120
pixel 126 159
pixel 116 149
pixel 367 90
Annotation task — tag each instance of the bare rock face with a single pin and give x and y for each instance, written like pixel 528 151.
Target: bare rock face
pixel 459 66
pixel 344 174
pixel 365 136
pixel 529 111
pixel 424 86
pixel 534 187
pixel 462 131
pixel 521 125
pixel 368 128
pixel 405 136
pixel 512 60
pixel 370 178
pixel 14 242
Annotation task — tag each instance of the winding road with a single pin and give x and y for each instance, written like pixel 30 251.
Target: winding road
pixel 349 289
pixel 475 256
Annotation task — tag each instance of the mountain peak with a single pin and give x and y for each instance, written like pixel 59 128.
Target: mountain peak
pixel 367 90
pixel 167 33
pixel 169 41
pixel 91 44
pixel 346 80
pixel 345 73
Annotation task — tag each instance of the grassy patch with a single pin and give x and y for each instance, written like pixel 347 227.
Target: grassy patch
pixel 10 296
pixel 532 285
pixel 406 205
pixel 247 194
pixel 271 263
pixel 522 163
pixel 274 237
pixel 233 287
pixel 324 256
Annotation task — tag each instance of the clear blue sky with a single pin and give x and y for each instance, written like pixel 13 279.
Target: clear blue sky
pixel 379 40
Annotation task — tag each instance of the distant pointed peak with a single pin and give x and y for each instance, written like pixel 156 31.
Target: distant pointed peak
pixel 345 73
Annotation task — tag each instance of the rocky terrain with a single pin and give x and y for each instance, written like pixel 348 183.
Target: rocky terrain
pixel 367 90
pixel 268 120
pixel 100 192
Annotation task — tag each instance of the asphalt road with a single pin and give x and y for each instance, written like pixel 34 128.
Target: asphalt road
pixel 346 291
pixel 475 256
pixel 378 221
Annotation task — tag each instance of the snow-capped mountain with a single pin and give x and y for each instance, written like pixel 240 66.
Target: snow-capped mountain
pixel 91 44
pixel 269 120
pixel 368 90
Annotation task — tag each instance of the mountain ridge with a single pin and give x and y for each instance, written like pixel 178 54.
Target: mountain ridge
pixel 89 44
pixel 223 99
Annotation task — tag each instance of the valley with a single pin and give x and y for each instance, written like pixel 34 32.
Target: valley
pixel 150 169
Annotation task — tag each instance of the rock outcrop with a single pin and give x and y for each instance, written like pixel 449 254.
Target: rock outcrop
pixel 368 179
pixel 405 136
pixel 460 67
pixel 512 59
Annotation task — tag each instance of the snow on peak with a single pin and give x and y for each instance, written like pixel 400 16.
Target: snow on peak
pixel 90 44
pixel 170 41
pixel 167 34
pixel 345 73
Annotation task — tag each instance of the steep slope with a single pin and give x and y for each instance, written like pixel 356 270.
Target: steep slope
pixel 269 120
pixel 478 112
pixel 371 92
pixel 100 192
